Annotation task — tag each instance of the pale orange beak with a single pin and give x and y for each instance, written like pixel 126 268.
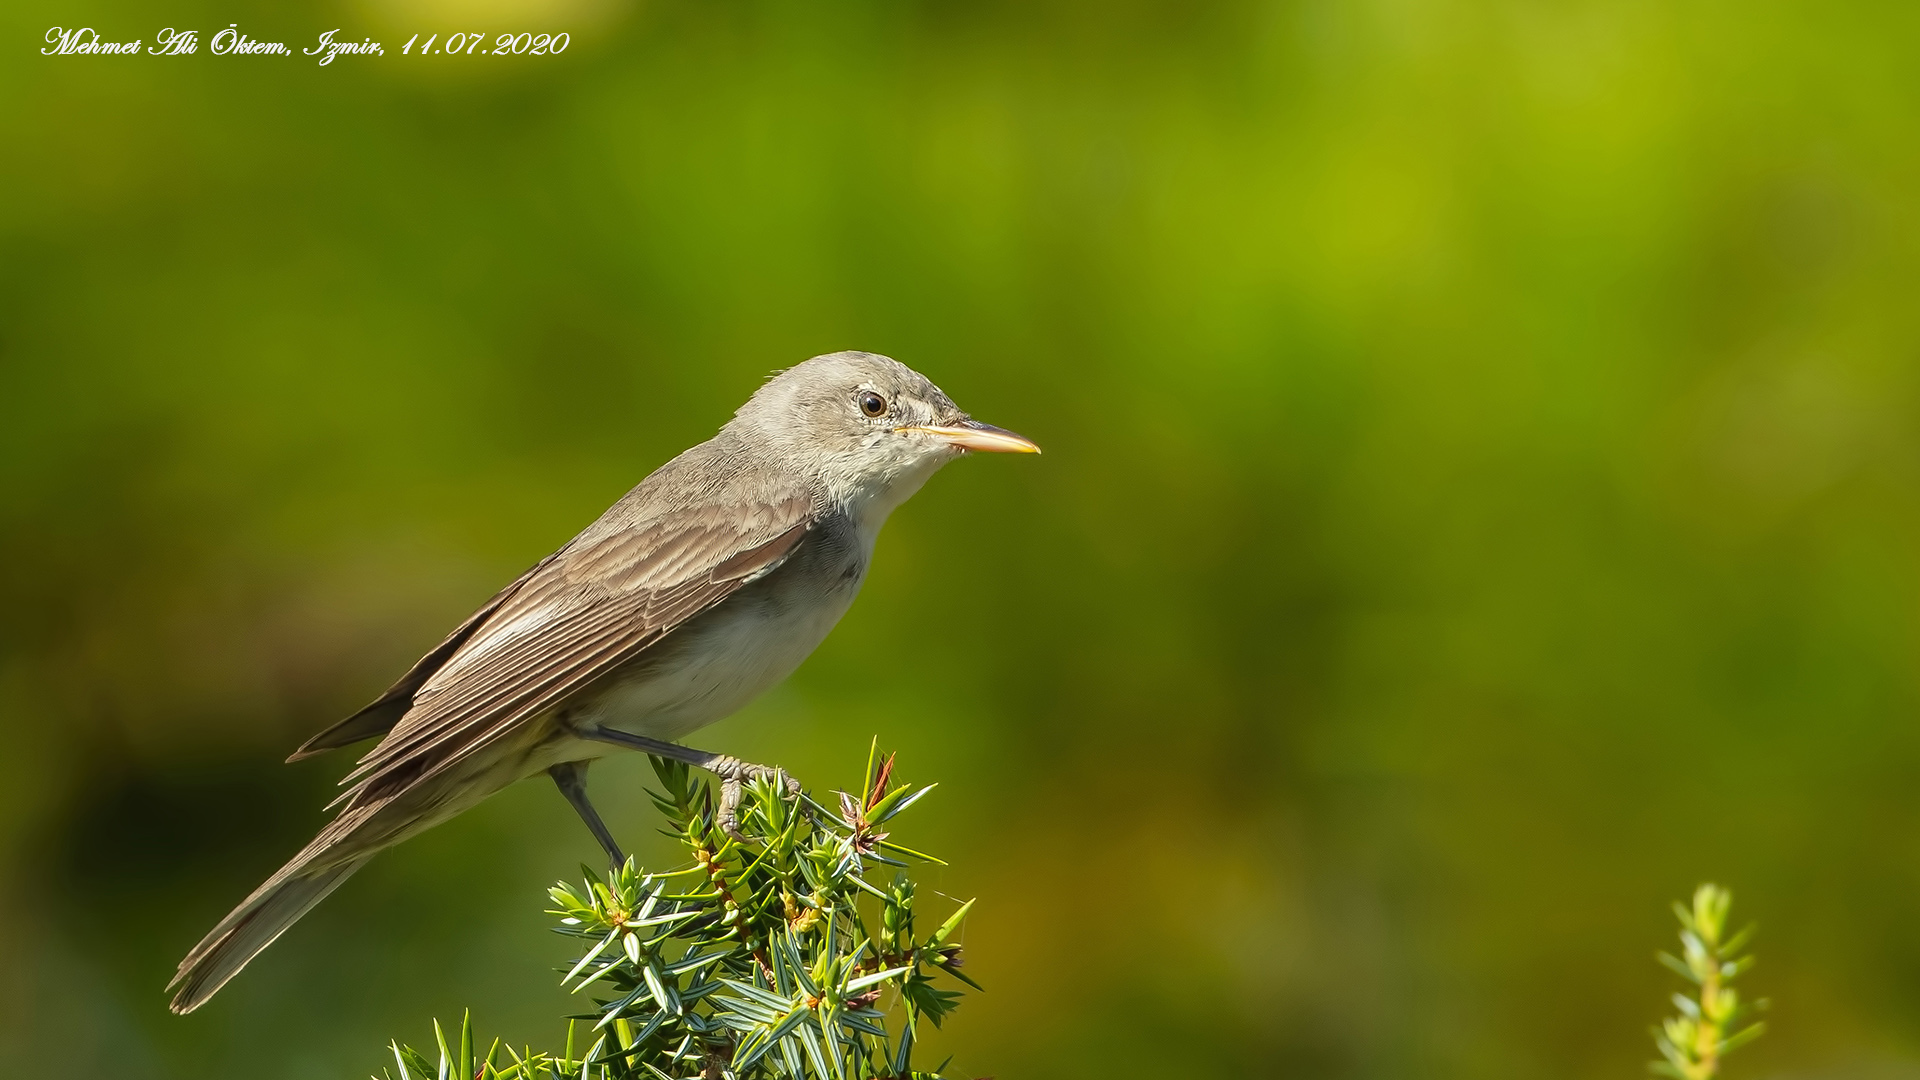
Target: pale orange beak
pixel 974 435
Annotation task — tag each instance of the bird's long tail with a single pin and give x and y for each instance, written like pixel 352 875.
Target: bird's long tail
pixel 370 823
pixel 253 926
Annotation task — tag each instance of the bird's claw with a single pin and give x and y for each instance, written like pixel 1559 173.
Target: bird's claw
pixel 734 775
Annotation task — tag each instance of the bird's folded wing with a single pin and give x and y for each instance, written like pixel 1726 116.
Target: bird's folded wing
pixel 576 617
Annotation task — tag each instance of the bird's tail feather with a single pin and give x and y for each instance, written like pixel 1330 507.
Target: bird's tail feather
pixel 253 926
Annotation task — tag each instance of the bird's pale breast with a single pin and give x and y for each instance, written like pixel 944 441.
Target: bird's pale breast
pixel 721 660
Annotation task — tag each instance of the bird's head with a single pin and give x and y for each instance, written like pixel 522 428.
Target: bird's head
pixel 865 427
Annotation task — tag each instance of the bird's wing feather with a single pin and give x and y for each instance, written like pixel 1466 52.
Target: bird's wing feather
pixel 574 619
pixel 379 717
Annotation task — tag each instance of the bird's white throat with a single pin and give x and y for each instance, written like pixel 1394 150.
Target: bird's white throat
pixel 870 499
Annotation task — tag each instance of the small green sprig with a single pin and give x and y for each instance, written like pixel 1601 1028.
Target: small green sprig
pixel 767 955
pixel 1693 1043
pixel 461 1061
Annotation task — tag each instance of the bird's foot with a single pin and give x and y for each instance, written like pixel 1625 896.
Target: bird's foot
pixel 733 772
pixel 734 775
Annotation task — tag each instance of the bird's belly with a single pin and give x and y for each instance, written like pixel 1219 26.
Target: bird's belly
pixel 716 664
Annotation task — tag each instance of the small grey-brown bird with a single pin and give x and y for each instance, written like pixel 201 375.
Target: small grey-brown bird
pixel 702 587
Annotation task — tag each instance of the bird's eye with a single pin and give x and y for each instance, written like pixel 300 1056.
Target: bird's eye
pixel 873 404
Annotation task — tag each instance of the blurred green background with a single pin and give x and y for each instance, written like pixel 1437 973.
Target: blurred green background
pixel 1481 500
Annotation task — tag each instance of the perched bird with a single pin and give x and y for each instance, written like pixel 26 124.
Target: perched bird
pixel 702 587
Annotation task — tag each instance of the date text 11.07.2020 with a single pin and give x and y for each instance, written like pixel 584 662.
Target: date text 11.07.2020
pixel 468 44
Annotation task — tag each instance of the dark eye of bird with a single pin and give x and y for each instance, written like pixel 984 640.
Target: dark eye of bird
pixel 872 404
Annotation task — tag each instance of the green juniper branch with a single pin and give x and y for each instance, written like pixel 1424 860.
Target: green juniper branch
pixel 769 956
pixel 1693 1043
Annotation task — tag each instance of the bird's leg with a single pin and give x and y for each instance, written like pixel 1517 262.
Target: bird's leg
pixel 571 778
pixel 733 772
